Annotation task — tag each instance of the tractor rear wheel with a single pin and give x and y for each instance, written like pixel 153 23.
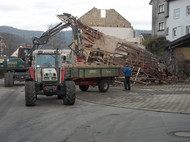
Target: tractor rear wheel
pixel 83 87
pixel 30 93
pixel 69 95
pixel 103 85
pixel 11 79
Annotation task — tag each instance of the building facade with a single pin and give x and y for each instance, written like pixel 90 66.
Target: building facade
pixel 170 18
pixel 109 22
pixel 178 21
pixel 159 14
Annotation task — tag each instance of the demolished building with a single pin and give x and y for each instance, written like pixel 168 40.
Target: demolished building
pixel 104 50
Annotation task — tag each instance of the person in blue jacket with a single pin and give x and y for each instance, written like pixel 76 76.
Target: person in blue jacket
pixel 127 72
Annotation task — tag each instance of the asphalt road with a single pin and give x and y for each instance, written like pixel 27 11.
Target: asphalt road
pixel 50 121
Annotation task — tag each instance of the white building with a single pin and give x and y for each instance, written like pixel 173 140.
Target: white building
pixel 178 21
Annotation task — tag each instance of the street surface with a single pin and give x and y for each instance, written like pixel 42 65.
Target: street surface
pixel 141 115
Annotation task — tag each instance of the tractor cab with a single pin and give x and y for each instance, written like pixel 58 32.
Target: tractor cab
pixel 46 64
pixel 46 58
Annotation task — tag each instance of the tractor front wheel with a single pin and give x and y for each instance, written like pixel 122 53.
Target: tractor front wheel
pixel 9 79
pixel 30 93
pixel 69 95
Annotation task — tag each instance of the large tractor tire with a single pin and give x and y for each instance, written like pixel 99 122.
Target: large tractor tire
pixel 83 87
pixel 9 79
pixel 30 93
pixel 103 85
pixel 69 95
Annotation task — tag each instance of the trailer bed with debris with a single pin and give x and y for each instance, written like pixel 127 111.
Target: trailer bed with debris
pixel 94 76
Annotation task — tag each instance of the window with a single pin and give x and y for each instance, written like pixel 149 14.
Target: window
pixel 161 26
pixel 188 10
pixel 176 13
pixel 45 60
pixel 103 13
pixel 188 29
pixel 161 8
pixel 167 31
pixel 174 32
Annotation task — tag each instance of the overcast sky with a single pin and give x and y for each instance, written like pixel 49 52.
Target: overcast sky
pixel 39 14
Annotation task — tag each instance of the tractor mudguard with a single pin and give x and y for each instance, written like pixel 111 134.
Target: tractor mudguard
pixel 31 70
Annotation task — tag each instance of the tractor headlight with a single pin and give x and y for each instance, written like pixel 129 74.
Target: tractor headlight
pixel 53 78
pixel 46 78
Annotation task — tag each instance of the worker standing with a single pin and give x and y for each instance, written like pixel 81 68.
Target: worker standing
pixel 127 72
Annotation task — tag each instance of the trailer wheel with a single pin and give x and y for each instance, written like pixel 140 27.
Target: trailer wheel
pixel 83 87
pixel 69 95
pixel 103 85
pixel 30 94
pixel 6 80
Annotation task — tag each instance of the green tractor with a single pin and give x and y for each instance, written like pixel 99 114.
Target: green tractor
pixel 15 67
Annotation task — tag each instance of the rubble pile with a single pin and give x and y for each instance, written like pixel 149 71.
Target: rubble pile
pixel 103 50
pixel 106 50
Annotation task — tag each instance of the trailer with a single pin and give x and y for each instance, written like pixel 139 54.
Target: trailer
pixel 94 76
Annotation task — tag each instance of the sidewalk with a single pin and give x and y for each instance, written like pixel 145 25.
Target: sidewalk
pixel 166 98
